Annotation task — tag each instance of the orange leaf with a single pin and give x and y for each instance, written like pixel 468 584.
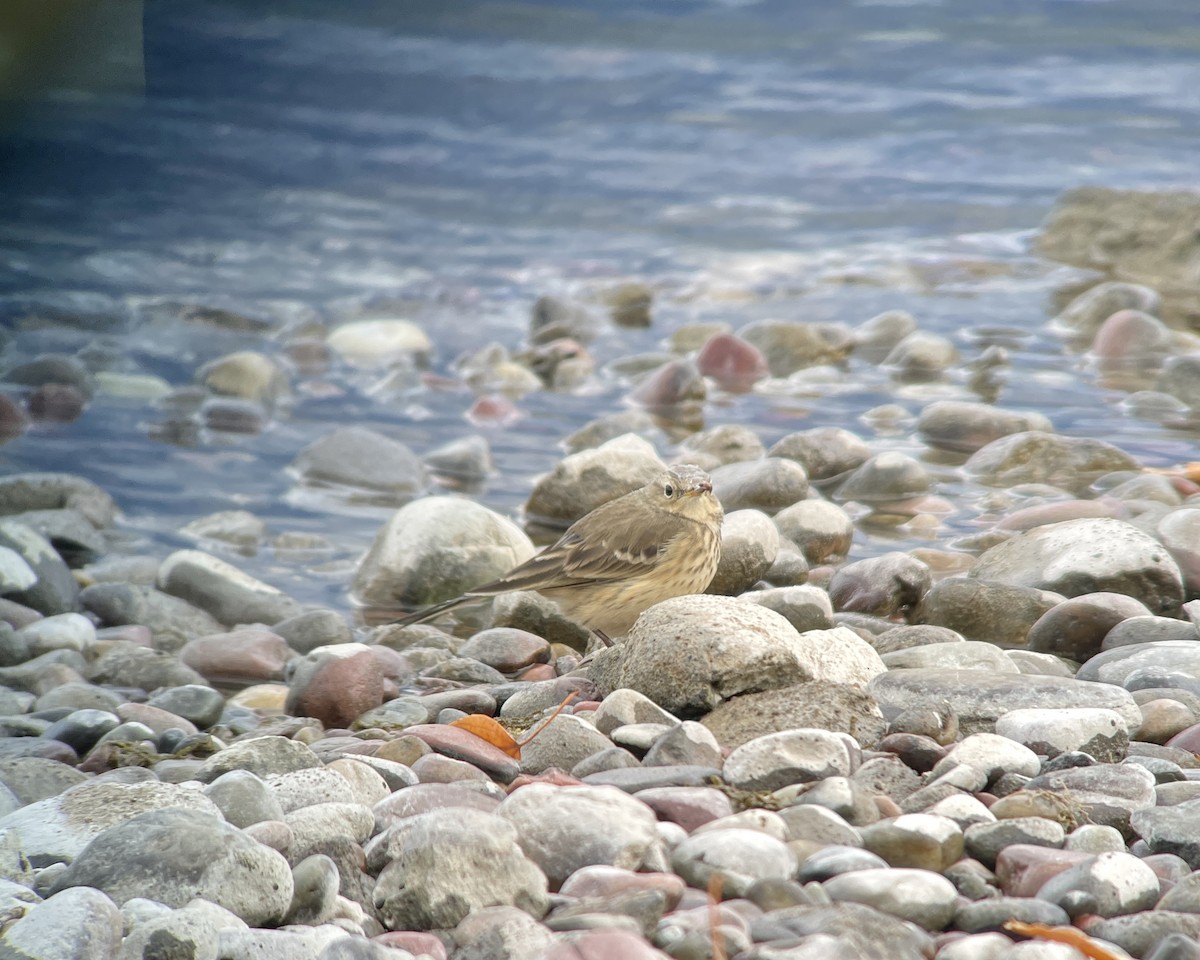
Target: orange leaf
pixel 1068 935
pixel 485 728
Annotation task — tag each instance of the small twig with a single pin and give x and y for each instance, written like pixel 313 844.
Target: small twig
pixel 1069 935
pixel 716 881
pixel 550 719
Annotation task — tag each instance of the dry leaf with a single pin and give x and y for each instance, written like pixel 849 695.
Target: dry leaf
pixel 486 728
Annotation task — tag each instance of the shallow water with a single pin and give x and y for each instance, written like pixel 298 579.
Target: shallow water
pixel 808 160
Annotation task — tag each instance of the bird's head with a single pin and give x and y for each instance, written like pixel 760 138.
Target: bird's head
pixel 687 490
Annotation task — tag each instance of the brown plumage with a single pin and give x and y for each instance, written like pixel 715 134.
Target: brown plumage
pixel 662 540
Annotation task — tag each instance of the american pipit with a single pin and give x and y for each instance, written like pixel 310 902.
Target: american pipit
pixel 662 540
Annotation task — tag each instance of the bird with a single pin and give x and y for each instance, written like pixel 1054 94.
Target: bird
pixel 662 540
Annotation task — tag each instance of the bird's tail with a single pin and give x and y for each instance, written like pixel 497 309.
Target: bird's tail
pixel 428 613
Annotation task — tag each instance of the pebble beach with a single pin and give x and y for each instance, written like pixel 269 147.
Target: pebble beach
pixel 980 747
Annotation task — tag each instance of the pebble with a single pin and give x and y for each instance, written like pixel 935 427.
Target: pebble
pixel 792 756
pixel 884 586
pixel 1035 456
pixel 919 896
pixel 916 840
pixel 439 866
pixel 819 530
pixel 356 458
pixel 223 590
pixel 986 610
pixel 767 484
pixel 1097 732
pixel 436 548
pixel 966 427
pixel 174 856
pixel 741 856
pixel 1077 627
pixel 1087 556
pixel 749 545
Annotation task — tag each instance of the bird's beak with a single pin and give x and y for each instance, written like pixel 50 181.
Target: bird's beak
pixel 702 487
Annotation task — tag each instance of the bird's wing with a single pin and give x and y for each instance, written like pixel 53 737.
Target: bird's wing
pixel 602 550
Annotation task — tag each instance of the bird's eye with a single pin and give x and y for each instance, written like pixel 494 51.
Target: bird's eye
pixel 669 490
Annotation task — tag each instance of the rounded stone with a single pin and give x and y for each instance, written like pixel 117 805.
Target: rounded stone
pixel 820 530
pixel 362 459
pixel 966 427
pixel 1087 556
pixel 749 544
pixel 792 756
pixel 920 896
pixel 175 856
pixel 768 484
pixel 434 549
pixel 690 653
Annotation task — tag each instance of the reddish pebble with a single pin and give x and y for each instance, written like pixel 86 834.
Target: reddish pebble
pixel 1188 739
pixel 423 797
pixel 414 942
pixel 56 402
pixel 133 633
pixel 493 410
pixel 602 880
pixel 244 656
pixel 553 776
pixel 338 685
pixel 690 807
pixel 1022 868
pixel 156 719
pixel 539 671
pixel 1131 335
pixel 13 421
pixel 464 745
pixel 732 362
pixel 604 945
pixel 435 768
pixel 673 383
pixel 1044 513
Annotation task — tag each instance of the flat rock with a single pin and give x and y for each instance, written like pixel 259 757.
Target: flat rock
pixel 980 698
pixel 841 708
pixel 223 590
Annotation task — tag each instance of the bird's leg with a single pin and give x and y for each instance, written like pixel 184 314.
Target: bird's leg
pixel 603 637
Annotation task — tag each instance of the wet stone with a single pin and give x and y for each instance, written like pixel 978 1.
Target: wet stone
pixel 1077 627
pixel 768 484
pixel 1148 629
pixel 506 649
pixel 987 610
